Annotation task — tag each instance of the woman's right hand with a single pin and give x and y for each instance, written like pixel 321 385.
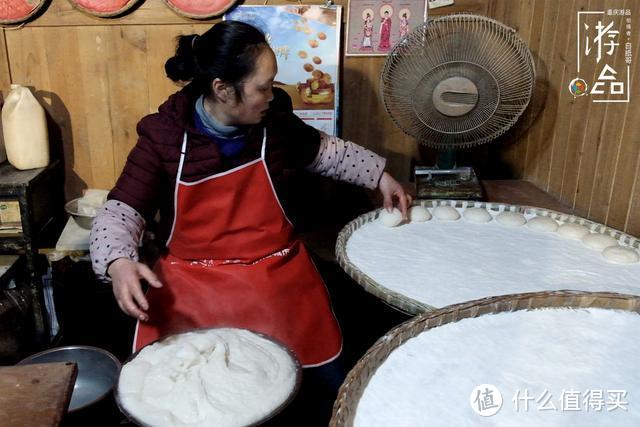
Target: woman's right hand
pixel 125 275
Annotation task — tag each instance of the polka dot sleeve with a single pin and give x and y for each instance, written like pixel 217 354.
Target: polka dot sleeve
pixel 346 161
pixel 116 233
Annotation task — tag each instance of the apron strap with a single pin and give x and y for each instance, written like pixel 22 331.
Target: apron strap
pixel 264 143
pixel 183 153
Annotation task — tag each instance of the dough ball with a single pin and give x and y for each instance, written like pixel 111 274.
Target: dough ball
pixel 599 241
pixel 542 223
pixel 317 60
pixel 446 213
pixel 418 214
pixel 313 43
pixel 620 255
pixel 302 54
pixel 573 231
pixel 322 36
pixel 308 67
pixel 511 219
pixel 390 219
pixel 477 215
pixel 317 74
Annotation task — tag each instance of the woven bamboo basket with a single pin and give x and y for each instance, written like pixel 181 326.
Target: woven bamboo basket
pixel 7 18
pixel 216 8
pixel 115 12
pixel 412 306
pixel 353 387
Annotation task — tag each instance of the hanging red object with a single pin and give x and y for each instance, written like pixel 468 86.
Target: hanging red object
pixel 199 9
pixel 18 11
pixel 103 8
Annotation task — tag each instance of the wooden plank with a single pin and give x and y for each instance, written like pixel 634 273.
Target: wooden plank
pixel 624 200
pixel 36 395
pixel 5 72
pixel 610 139
pixel 98 51
pixel 577 129
pixel 557 63
pixel 565 106
pixel 544 20
pixel 516 15
pixel 596 129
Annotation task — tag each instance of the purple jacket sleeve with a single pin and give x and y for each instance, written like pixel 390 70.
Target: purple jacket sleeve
pixel 116 233
pixel 348 162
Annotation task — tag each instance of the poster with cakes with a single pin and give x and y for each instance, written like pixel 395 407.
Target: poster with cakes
pixel 306 41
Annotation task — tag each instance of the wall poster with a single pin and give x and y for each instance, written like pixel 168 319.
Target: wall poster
pixel 375 26
pixel 306 41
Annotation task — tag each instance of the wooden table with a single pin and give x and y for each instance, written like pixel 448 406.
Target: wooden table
pixel 36 395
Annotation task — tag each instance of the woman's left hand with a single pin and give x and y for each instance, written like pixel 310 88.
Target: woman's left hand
pixel 391 188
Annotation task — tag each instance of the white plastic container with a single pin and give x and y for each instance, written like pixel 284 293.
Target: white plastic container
pixel 24 125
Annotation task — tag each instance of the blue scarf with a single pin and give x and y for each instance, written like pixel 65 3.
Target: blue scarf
pixel 230 139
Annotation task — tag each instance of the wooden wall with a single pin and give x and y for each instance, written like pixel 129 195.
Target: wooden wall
pixel 97 77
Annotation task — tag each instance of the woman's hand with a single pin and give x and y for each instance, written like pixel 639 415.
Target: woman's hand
pixel 391 188
pixel 126 275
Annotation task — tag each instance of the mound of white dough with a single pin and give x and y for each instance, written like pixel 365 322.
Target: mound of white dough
pixel 221 377
pixel 418 214
pixel 446 213
pixel 511 219
pixel 390 219
pixel 477 215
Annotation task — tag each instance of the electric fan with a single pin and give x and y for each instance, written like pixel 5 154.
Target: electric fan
pixel 455 82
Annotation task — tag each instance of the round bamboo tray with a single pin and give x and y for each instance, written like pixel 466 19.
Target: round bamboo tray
pixel 207 10
pixel 353 387
pixel 113 9
pixel 411 306
pixel 19 11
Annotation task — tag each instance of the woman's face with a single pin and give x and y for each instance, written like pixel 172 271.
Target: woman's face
pixel 257 92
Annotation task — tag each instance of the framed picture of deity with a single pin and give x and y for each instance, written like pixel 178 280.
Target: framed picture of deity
pixel 375 26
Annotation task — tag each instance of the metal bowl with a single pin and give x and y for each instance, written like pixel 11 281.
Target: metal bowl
pixel 267 417
pixel 83 220
pixel 97 371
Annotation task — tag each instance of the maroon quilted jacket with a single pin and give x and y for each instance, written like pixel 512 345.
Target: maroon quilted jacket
pixel 148 179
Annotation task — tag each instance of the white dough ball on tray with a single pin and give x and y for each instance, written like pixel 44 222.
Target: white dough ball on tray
pixel 390 219
pixel 621 255
pixel 542 223
pixel 599 241
pixel 418 214
pixel 511 219
pixel 446 213
pixel 573 231
pixel 477 215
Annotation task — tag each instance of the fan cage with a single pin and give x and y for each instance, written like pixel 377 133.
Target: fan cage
pixel 480 49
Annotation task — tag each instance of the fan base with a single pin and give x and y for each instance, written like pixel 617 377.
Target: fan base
pixel 457 183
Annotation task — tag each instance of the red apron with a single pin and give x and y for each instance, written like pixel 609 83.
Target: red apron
pixel 232 261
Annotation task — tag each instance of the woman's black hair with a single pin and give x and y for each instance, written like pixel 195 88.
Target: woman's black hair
pixel 228 51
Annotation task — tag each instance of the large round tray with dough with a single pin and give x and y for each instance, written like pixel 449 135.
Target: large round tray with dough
pixel 419 267
pixel 205 377
pixel 565 350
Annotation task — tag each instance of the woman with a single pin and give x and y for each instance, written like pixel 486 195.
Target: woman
pixel 211 161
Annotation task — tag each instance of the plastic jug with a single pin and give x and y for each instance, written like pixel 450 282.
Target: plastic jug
pixel 24 125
